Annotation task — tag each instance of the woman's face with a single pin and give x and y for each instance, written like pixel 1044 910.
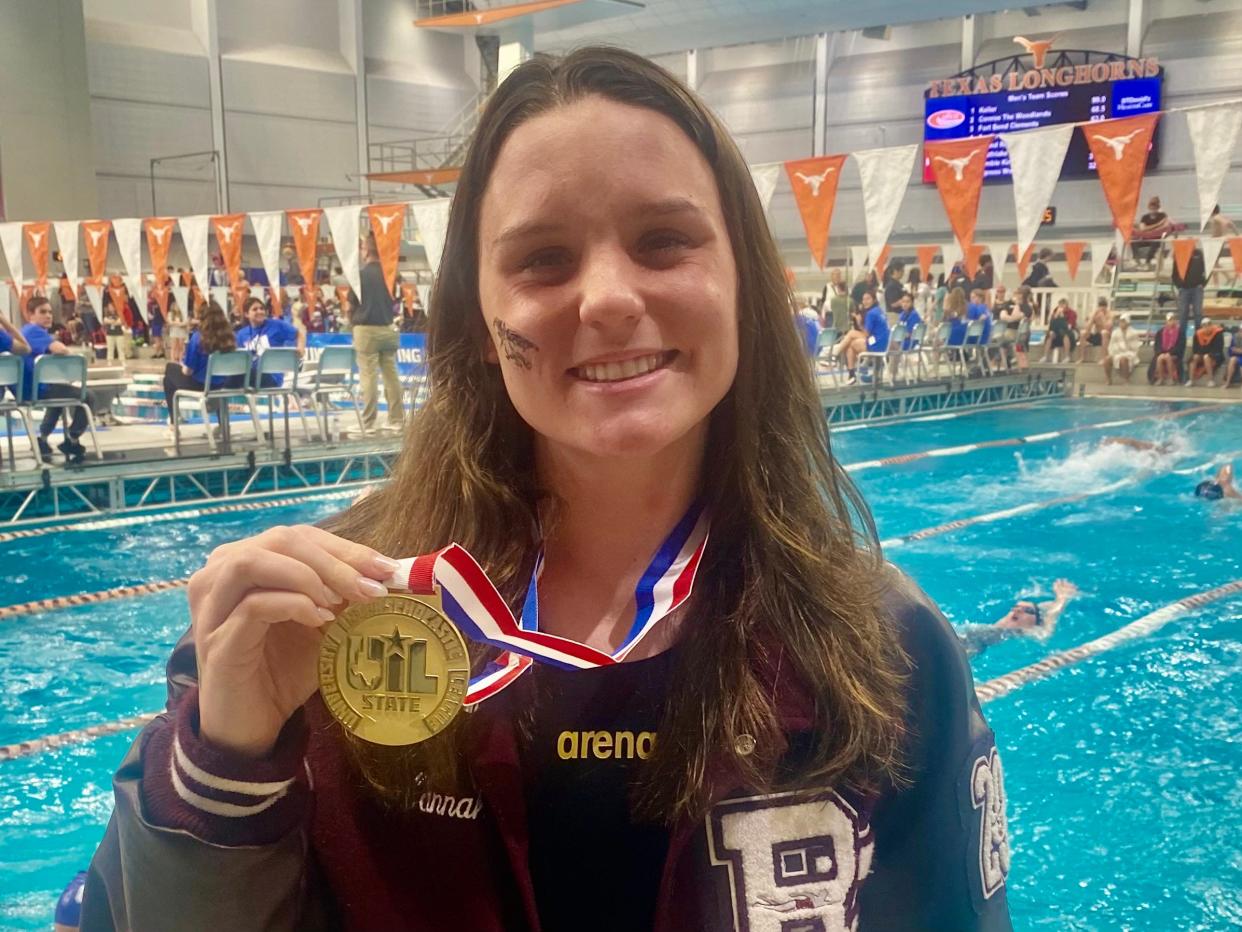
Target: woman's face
pixel 607 280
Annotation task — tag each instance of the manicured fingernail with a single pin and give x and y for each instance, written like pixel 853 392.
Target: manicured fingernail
pixel 325 614
pixel 370 587
pixel 331 596
pixel 385 564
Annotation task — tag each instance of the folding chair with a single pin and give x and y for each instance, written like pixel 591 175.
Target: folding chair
pixel 824 344
pixel 974 344
pixel 881 358
pixel 333 377
pixel 281 362
pixel 233 366
pixel 914 354
pixel 67 370
pixel 12 370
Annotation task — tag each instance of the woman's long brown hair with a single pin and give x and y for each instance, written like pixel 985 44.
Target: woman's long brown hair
pixel 790 584
pixel 217 335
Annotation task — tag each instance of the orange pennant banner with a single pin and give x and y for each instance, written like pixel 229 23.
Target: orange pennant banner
pixel 120 300
pixel 387 222
pixel 926 254
pixel 37 235
pixel 95 232
pixel 1120 149
pixel 973 253
pixel 228 229
pixel 409 291
pixel 1183 249
pixel 1073 257
pixel 304 224
pixel 814 183
pixel 159 242
pixel 160 291
pixel 957 165
pixel 1235 251
pixel 881 262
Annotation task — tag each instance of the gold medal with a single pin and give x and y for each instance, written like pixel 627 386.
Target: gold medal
pixel 395 670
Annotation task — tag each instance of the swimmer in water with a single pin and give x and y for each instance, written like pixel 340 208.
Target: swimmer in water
pixel 1219 486
pixel 1145 445
pixel 1025 619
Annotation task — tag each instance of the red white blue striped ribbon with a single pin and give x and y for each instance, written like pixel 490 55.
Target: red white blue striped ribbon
pixel 471 602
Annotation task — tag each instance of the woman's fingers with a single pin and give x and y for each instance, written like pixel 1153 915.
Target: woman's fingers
pixel 217 589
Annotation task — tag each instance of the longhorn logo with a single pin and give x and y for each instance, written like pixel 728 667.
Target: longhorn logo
pixel 1117 143
pixel 94 235
pixel 160 232
pixel 958 165
pixel 386 222
pixel 36 239
pixel 1037 50
pixel 226 231
pixel 814 181
pixel 303 224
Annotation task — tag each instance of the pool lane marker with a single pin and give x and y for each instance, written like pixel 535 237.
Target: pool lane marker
pixel 130 520
pixel 91 598
pixel 1018 441
pixel 992 689
pixel 1149 623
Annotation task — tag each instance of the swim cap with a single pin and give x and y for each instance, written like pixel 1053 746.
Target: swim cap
pixel 69 906
pixel 1209 490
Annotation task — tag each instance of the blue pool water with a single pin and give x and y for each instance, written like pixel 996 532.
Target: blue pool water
pixel 1122 771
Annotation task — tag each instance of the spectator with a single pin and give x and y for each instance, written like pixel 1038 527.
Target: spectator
pixel 413 319
pixel 868 283
pixel 1098 330
pixel 808 330
pixel 40 341
pixel 214 335
pixel 959 279
pixel 86 311
pixel 262 333
pixel 1025 307
pixel 855 341
pixel 955 314
pixel 1170 346
pixel 1190 291
pixel 114 329
pixel 1123 350
pixel 977 309
pixel 836 309
pixel 909 318
pixel 985 275
pixel 1039 275
pixel 375 343
pixel 1007 314
pixel 177 331
pixel 1207 352
pixel 1234 359
pixel 156 323
pixel 65 290
pixel 893 288
pixel 1151 228
pixel 809 310
pixel 1220 226
pixel 1060 336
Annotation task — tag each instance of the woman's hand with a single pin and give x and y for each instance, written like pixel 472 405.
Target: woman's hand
pixel 257 608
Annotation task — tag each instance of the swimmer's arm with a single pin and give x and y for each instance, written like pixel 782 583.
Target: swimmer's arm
pixel 1051 611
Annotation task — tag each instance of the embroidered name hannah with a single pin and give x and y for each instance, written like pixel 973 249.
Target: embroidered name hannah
pixel 455 807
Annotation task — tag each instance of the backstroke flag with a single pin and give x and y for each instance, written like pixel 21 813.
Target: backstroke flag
pixel 1100 250
pixel 1183 249
pixel 1120 148
pixel 11 240
pixel 765 178
pixel 343 224
pixel 387 221
pixel 431 218
pixel 95 232
pixel 926 254
pixel 957 165
pixel 267 225
pixel 814 182
pixel 304 225
pixel 194 236
pixel 1035 159
pixel 1212 246
pixel 1213 137
pixel 1074 250
pixel 229 229
pixel 159 243
pixel 67 240
pixel 37 235
pixel 885 177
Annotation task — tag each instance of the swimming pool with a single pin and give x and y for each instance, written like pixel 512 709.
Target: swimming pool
pixel 1121 771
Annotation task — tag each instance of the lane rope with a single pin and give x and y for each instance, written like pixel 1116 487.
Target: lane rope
pixel 1019 441
pixel 1153 621
pixel 131 520
pixel 91 598
pixel 992 689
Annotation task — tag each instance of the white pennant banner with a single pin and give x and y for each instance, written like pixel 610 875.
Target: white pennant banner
pixel 95 293
pixel 11 240
pixel 326 294
pixel 1000 254
pixel 343 223
pixel 1212 246
pixel 220 294
pixel 181 294
pixel 858 262
pixel 424 297
pixel 267 227
pixel 765 178
pixel 885 177
pixel 67 240
pixel 129 243
pixel 194 236
pixel 1100 248
pixel 137 291
pixel 432 217
pixel 1213 137
pixel 951 252
pixel 1035 158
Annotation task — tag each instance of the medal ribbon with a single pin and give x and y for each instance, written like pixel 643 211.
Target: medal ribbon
pixel 471 602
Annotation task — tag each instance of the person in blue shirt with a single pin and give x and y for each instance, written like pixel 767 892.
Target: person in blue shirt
pixel 12 341
pixel 955 317
pixel 808 329
pixel 261 333
pixel 908 317
pixel 214 335
pixel 977 309
pixel 40 342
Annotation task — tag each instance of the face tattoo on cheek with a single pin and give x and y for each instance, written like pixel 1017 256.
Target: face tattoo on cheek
pixel 514 344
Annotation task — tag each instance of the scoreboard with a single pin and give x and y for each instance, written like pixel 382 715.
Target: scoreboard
pixel 961 117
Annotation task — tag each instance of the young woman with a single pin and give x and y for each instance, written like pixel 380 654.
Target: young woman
pixel 1059 340
pixel 1170 346
pixel 177 331
pixel 611 357
pixel 214 335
